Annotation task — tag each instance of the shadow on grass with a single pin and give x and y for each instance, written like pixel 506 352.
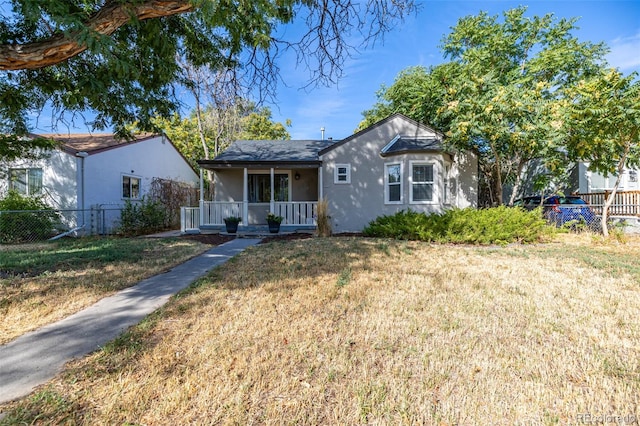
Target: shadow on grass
pixel 65 255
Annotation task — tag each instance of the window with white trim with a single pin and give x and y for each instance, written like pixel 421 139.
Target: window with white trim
pixel 342 173
pixel 393 183
pixel 131 187
pixel 27 181
pixel 421 182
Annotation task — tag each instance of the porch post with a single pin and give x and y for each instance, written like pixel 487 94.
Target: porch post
pixel 245 197
pixel 272 206
pixel 201 215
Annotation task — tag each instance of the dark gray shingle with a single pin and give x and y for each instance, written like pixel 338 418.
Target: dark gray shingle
pixel 279 150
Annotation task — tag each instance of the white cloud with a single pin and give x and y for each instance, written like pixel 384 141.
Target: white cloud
pixel 625 53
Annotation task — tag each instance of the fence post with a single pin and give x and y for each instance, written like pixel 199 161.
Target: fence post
pixel 93 220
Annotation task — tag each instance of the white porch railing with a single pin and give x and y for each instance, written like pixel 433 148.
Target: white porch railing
pixel 214 212
pixel 189 219
pixel 625 203
pixel 297 212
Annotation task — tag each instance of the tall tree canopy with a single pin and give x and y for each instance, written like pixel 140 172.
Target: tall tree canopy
pixel 120 58
pixel 243 120
pixel 496 94
pixel 600 123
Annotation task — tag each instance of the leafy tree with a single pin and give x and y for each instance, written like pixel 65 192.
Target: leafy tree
pixel 600 122
pixel 244 121
pixel 259 125
pixel 183 132
pixel 417 92
pixel 496 95
pixel 13 147
pixel 120 58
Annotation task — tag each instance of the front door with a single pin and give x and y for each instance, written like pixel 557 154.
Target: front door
pixel 259 191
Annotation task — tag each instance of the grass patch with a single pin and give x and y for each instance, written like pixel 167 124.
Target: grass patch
pixel 422 334
pixel 611 257
pixel 42 283
pixel 344 277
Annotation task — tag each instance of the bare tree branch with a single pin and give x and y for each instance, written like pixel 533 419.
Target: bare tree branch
pixel 329 40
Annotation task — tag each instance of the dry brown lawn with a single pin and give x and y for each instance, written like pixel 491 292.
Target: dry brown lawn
pixel 364 331
pixel 45 291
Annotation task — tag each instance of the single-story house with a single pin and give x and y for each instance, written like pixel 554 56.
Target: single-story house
pixel 392 165
pixel 594 188
pixel 91 176
pixel 589 181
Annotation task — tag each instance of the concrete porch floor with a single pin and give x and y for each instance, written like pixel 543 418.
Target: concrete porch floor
pixel 251 231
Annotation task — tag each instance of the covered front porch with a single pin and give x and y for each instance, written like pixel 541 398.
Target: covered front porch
pixel 252 192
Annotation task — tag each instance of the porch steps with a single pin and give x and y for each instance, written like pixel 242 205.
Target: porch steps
pixel 257 231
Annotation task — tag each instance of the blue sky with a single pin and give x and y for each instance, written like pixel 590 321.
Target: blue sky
pixel 338 109
pixel 415 42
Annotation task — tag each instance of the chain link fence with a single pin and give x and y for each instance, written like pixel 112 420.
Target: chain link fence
pixel 25 226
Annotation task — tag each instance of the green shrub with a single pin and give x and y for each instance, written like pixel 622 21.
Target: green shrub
pixel 499 225
pixel 143 217
pixel 38 223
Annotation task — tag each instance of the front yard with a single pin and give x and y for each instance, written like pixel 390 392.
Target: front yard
pixel 368 331
pixel 45 282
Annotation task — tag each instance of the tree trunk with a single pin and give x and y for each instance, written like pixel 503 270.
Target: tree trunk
pixel 497 165
pixel 518 183
pixel 498 182
pixel 60 46
pixel 203 141
pixel 612 195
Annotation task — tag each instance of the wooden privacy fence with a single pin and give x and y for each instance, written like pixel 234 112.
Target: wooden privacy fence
pixel 625 203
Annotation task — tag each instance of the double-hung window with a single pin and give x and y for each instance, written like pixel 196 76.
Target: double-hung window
pixel 422 183
pixel 26 181
pixel 131 187
pixel 342 173
pixel 393 183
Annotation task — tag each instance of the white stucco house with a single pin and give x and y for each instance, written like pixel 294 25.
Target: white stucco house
pixel 393 165
pixel 91 174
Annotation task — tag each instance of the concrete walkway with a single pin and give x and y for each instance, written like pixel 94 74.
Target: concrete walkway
pixel 36 357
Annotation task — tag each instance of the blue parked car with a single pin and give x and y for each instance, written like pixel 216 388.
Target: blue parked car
pixel 559 209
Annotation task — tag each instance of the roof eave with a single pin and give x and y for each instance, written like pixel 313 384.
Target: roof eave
pixel 238 164
pixel 413 151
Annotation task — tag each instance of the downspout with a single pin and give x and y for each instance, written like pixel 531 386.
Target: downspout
pixel 82 155
pixel 320 183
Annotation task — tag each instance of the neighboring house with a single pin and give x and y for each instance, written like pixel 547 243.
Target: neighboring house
pixel 594 188
pixel 589 181
pixel 91 173
pixel 392 165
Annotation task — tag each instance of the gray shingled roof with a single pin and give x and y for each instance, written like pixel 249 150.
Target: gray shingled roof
pixel 278 150
pixel 401 144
